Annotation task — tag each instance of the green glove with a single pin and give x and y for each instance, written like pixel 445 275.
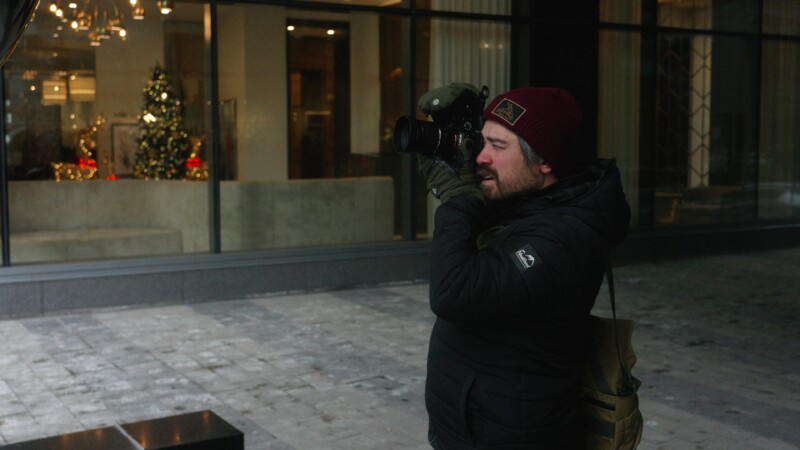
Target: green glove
pixel 445 182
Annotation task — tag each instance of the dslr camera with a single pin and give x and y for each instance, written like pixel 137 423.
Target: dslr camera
pixel 457 113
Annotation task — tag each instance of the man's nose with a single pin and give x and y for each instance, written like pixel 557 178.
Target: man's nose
pixel 483 157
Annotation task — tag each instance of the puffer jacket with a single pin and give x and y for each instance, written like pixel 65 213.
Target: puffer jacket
pixel 512 285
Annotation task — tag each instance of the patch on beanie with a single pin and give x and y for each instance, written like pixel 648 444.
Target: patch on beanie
pixel 508 111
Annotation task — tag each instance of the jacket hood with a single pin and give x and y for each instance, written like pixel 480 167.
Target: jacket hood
pixel 594 195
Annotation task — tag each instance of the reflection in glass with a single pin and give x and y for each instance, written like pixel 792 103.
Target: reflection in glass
pixel 779 165
pixel 782 17
pixel 620 11
pixel 311 164
pixel 618 119
pixel 76 92
pixel 686 14
pixel 736 15
pixel 475 52
pixel 706 154
pixel 379 3
pixel 319 85
pixel 499 7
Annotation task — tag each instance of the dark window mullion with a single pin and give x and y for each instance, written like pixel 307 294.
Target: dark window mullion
pixel 647 113
pixel 4 221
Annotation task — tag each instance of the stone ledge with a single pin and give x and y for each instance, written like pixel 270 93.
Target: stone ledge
pixel 255 215
pixel 93 243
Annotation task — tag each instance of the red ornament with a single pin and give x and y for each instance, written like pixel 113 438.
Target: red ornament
pixel 194 162
pixel 86 163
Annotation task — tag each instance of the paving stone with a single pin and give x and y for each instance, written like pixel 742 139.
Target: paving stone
pixel 717 341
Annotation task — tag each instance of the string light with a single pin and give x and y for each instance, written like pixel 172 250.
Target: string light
pixel 86 168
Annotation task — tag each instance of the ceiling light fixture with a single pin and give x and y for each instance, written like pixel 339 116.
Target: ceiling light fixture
pixel 165 6
pixel 138 12
pixel 102 19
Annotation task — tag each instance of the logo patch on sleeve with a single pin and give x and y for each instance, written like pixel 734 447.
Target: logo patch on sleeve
pixel 526 258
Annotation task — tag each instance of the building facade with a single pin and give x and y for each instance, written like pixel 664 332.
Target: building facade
pixel 180 151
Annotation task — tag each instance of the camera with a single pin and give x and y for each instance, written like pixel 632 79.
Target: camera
pixel 457 113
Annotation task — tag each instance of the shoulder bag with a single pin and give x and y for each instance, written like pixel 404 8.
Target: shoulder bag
pixel 609 408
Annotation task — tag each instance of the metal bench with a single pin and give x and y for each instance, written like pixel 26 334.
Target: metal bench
pixel 203 430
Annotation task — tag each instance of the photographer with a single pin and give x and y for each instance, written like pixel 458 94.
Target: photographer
pixel 520 247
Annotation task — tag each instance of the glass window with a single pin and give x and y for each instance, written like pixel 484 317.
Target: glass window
pixel 618 106
pixel 782 17
pixel 381 3
pixel 307 135
pixel 499 7
pixel 621 11
pixel 779 162
pixel 475 52
pixel 98 100
pixel 706 155
pixel 729 15
pixel 310 154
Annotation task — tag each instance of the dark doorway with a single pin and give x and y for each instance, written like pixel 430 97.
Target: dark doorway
pixel 319 88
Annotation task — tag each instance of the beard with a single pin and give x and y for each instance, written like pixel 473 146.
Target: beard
pixel 495 187
pixel 490 184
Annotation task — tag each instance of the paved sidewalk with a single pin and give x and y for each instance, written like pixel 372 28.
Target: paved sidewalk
pixel 718 343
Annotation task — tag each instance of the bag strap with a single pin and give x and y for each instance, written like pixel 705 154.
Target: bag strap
pixel 627 387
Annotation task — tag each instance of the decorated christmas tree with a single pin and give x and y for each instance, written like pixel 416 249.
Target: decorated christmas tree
pixel 164 144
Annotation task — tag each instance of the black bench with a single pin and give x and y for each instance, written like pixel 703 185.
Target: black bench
pixel 203 430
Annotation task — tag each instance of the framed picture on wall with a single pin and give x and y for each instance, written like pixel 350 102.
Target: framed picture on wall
pixel 124 147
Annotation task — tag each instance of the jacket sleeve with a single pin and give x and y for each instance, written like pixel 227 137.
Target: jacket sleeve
pixel 522 276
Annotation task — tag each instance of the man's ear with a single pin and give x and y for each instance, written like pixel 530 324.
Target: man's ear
pixel 549 175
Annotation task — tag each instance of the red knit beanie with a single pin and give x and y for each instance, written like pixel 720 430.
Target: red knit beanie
pixel 546 118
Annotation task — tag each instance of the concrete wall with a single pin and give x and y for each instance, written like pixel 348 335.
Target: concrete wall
pixel 252 71
pixel 255 215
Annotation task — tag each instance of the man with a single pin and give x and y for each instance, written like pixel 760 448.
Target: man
pixel 520 248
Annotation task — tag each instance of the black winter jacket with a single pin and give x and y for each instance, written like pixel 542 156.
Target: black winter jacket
pixel 512 285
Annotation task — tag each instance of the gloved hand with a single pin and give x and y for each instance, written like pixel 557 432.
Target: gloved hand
pixel 459 107
pixel 445 182
pixel 444 97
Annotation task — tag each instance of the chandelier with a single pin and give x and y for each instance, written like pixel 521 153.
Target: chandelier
pixel 101 19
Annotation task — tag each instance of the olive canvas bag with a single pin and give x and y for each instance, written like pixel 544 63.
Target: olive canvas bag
pixel 609 407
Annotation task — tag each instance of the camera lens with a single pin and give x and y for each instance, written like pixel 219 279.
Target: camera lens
pixel 411 135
